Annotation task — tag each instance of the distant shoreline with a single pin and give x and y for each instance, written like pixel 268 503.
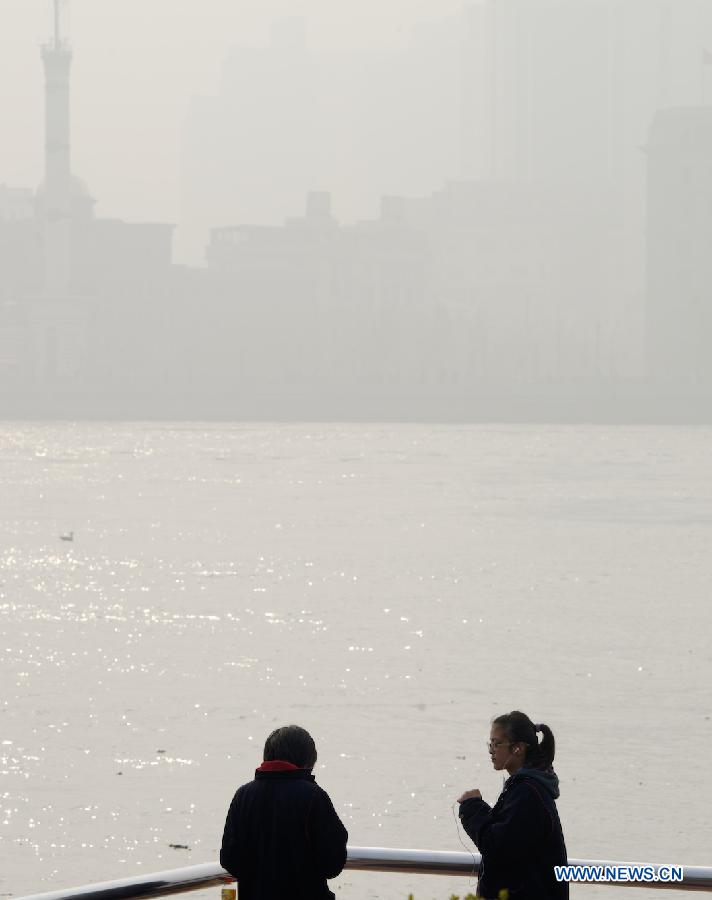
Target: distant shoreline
pixel 631 403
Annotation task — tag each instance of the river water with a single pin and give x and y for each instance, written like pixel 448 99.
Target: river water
pixel 390 588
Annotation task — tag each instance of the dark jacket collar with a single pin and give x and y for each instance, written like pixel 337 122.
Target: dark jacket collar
pixel 279 770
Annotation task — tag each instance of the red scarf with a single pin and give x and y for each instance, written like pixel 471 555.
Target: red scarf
pixel 276 765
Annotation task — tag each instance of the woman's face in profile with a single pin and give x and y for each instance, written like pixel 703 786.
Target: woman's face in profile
pixel 500 749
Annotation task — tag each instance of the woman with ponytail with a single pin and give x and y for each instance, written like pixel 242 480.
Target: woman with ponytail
pixel 520 837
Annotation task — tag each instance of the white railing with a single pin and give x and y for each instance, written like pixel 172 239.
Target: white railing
pixel 371 859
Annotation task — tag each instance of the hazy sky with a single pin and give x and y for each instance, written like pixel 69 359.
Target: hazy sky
pixel 136 65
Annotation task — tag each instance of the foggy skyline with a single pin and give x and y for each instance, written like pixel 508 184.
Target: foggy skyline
pixel 457 221
pixel 128 112
pixel 139 69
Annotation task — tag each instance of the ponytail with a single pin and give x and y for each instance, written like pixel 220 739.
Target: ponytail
pixel 546 747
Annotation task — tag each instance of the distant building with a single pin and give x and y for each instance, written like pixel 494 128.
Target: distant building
pixel 16 204
pixel 21 245
pixel 679 262
pixel 82 299
pixel 559 94
pixel 343 313
pixel 564 90
pixel 21 274
pixel 466 290
pixel 528 278
pixel 287 117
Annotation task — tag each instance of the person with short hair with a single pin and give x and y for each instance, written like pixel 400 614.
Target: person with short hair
pixel 520 838
pixel 282 836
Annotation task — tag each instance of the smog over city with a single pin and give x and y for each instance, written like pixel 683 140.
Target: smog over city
pixel 399 211
pixel 355 374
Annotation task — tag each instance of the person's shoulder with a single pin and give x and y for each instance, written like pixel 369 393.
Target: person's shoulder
pixel 242 788
pixel 320 793
pixel 239 796
pixel 518 787
pixel 313 788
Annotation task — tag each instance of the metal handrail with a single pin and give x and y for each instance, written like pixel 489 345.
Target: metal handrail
pixel 371 859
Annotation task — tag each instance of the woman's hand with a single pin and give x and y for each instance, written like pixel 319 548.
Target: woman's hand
pixel 468 795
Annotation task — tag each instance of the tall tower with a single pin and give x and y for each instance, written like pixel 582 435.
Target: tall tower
pixel 57 59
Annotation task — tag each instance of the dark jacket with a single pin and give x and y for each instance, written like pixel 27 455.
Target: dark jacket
pixel 283 838
pixel 520 838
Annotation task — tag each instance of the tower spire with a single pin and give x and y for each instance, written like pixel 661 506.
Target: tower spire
pixel 57 58
pixel 58 41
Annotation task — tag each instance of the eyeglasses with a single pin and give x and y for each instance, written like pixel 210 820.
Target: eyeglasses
pixel 492 745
